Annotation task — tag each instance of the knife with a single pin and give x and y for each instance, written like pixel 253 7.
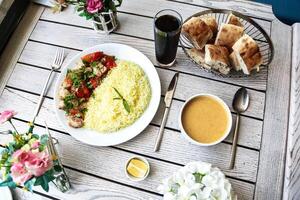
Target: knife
pixel 168 100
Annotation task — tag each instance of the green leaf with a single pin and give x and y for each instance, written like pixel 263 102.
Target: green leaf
pixel 11 147
pixel 44 139
pixel 81 14
pixel 112 6
pixel 126 106
pixel 29 184
pixel 8 182
pixel 80 8
pixel 43 182
pixel 88 17
pixel 39 180
pixel 49 175
pixel 35 136
pixel 45 185
pixel 12 185
pixel 119 94
pixel 117 98
pixel 119 3
pixel 57 168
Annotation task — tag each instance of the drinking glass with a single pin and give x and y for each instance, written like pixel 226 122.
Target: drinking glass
pixel 167 28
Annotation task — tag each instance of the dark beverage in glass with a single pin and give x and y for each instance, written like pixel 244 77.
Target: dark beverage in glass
pixel 167 28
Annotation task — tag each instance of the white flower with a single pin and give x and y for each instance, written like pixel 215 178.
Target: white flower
pixel 197 181
pixel 189 179
pixel 170 196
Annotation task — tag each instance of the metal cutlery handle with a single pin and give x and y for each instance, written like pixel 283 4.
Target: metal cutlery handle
pixel 41 98
pixel 161 129
pixel 234 143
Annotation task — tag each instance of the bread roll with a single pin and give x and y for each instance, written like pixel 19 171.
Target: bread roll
pixel 247 55
pixel 234 62
pixel 198 56
pixel 228 35
pixel 212 23
pixel 217 57
pixel 234 20
pixel 197 31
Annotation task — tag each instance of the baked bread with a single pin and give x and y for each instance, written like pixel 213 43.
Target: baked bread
pixel 212 23
pixel 198 56
pixel 247 55
pixel 234 62
pixel 197 31
pixel 228 35
pixel 217 57
pixel 234 20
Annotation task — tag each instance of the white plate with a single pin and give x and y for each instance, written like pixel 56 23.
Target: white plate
pixel 5 193
pixel 100 139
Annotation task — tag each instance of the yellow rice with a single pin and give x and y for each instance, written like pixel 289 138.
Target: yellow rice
pixel 105 114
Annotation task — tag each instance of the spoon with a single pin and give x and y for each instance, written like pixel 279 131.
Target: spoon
pixel 240 104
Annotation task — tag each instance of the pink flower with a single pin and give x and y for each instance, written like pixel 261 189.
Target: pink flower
pixel 94 6
pixel 6 115
pixel 19 174
pixel 39 163
pixel 35 144
pixel 22 156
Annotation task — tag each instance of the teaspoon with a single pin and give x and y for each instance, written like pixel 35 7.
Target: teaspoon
pixel 240 104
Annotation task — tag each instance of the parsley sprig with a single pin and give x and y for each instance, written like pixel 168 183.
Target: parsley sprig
pixel 120 97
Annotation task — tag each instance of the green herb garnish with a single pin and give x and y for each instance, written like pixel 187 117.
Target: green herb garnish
pixel 84 110
pixel 125 104
pixel 68 102
pixel 75 79
pixel 94 64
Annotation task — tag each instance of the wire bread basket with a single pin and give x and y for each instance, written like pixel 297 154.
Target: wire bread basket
pixel 250 27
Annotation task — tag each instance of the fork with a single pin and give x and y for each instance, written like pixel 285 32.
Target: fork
pixel 56 65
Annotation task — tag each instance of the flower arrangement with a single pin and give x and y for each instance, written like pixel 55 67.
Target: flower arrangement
pixel 26 161
pixel 197 180
pixel 89 8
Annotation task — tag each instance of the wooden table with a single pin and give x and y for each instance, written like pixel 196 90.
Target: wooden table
pixel 99 172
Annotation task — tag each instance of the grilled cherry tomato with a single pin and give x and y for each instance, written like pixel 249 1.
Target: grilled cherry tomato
pixel 86 92
pixel 79 93
pixel 92 57
pixel 83 92
pixel 73 111
pixel 94 82
pixel 68 83
pixel 109 62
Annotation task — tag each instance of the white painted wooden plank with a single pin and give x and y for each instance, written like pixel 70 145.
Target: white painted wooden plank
pixel 135 25
pixel 84 39
pixel 83 186
pixel 250 128
pixel 150 8
pixel 130 24
pixel 20 194
pixel 251 8
pixel 109 163
pixel 292 173
pixel 186 87
pixel 272 155
pixel 219 155
pixel 42 54
pixel 189 85
pixel 18 40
